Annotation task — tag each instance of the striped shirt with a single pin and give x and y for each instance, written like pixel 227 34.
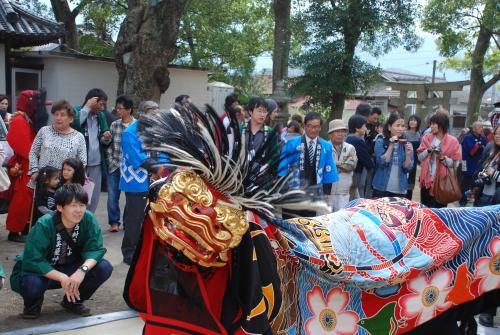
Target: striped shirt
pixel 114 150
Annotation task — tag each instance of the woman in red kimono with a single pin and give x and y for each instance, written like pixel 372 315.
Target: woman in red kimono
pixel 29 116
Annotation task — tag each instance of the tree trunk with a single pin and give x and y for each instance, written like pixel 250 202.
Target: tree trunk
pixel 351 40
pixel 336 110
pixel 337 106
pixel 145 46
pixel 478 85
pixel 282 36
pixel 195 60
pixel 64 14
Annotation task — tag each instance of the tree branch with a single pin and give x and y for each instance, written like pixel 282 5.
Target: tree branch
pixel 494 39
pixel 492 81
pixel 79 7
pixel 121 4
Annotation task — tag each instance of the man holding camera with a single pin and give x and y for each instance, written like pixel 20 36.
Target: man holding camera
pixel 472 148
pixel 90 120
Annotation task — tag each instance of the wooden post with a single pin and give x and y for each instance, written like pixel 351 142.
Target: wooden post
pixel 421 100
pixel 402 100
pixel 446 100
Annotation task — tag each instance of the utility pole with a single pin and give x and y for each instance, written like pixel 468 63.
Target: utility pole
pixel 434 71
pixel 430 94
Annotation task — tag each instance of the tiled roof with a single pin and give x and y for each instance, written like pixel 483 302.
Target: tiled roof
pixel 402 76
pixel 22 28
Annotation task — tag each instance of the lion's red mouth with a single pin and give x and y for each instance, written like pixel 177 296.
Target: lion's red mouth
pixel 188 239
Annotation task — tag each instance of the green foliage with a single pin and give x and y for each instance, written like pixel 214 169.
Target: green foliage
pixel 37 7
pixel 463 63
pixel 333 30
pixel 94 46
pixel 325 73
pixel 103 18
pixel 457 22
pixel 101 22
pixel 225 35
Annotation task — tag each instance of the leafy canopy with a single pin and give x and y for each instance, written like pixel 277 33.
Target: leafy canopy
pixel 335 29
pixel 457 22
pixel 225 35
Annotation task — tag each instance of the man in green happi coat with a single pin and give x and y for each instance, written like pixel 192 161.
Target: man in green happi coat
pixel 62 250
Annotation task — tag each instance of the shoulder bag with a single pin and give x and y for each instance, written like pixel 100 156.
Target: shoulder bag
pixel 446 189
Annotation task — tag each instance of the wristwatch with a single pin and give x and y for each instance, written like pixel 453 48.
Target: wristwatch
pixel 84 268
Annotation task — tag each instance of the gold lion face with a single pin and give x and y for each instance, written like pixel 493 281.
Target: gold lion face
pixel 193 219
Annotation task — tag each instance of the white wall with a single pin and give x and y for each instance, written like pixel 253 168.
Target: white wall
pixel 217 96
pixel 186 81
pixel 71 78
pixel 3 87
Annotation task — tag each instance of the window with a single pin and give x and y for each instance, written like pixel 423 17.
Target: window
pixel 24 79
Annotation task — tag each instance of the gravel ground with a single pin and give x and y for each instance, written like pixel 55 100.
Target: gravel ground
pixel 107 299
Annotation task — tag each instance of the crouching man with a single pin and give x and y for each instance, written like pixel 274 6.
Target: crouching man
pixel 62 250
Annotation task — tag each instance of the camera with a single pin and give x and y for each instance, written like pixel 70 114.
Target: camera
pixel 482 178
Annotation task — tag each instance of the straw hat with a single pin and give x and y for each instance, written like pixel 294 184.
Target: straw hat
pixel 336 125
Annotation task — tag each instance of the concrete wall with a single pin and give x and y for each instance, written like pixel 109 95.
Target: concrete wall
pixel 3 87
pixel 217 93
pixel 186 81
pixel 71 78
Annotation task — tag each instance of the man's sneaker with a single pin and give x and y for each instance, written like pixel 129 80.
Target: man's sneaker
pixel 33 310
pixel 486 320
pixel 76 308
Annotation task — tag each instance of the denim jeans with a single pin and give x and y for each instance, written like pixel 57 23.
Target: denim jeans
pixel 33 287
pixel 484 200
pixel 114 197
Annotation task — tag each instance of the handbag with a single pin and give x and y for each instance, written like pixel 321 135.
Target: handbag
pixel 4 180
pixel 446 189
pixel 89 187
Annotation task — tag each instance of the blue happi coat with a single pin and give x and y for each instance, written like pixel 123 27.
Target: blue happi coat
pixel 292 154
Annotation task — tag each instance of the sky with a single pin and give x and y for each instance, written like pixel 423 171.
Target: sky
pixel 419 62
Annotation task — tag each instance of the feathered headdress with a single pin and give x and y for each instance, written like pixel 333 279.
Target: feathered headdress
pixel 197 140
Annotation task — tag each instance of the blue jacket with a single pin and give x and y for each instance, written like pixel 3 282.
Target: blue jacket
pixel 472 149
pixel 383 168
pixel 326 171
pixel 364 158
pixel 135 162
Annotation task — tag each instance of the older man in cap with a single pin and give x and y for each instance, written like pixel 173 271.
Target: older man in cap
pixel 345 160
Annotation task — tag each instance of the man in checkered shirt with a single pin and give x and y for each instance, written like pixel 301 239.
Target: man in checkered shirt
pixel 124 108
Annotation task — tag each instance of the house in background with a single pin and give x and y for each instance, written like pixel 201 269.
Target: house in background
pixel 385 95
pixel 69 75
pixel 217 93
pixel 20 28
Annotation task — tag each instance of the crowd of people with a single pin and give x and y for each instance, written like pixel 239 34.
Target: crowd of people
pixel 61 167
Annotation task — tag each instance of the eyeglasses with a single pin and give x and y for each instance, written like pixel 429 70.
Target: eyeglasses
pixel 313 127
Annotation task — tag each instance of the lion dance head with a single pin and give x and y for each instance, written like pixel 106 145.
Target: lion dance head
pixel 196 220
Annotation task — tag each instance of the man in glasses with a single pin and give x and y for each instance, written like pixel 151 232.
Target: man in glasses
pixel 309 159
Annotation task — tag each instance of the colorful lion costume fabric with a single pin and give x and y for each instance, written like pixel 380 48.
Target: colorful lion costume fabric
pixel 215 258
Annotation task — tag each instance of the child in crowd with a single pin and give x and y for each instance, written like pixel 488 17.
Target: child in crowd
pixel 46 185
pixel 72 172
